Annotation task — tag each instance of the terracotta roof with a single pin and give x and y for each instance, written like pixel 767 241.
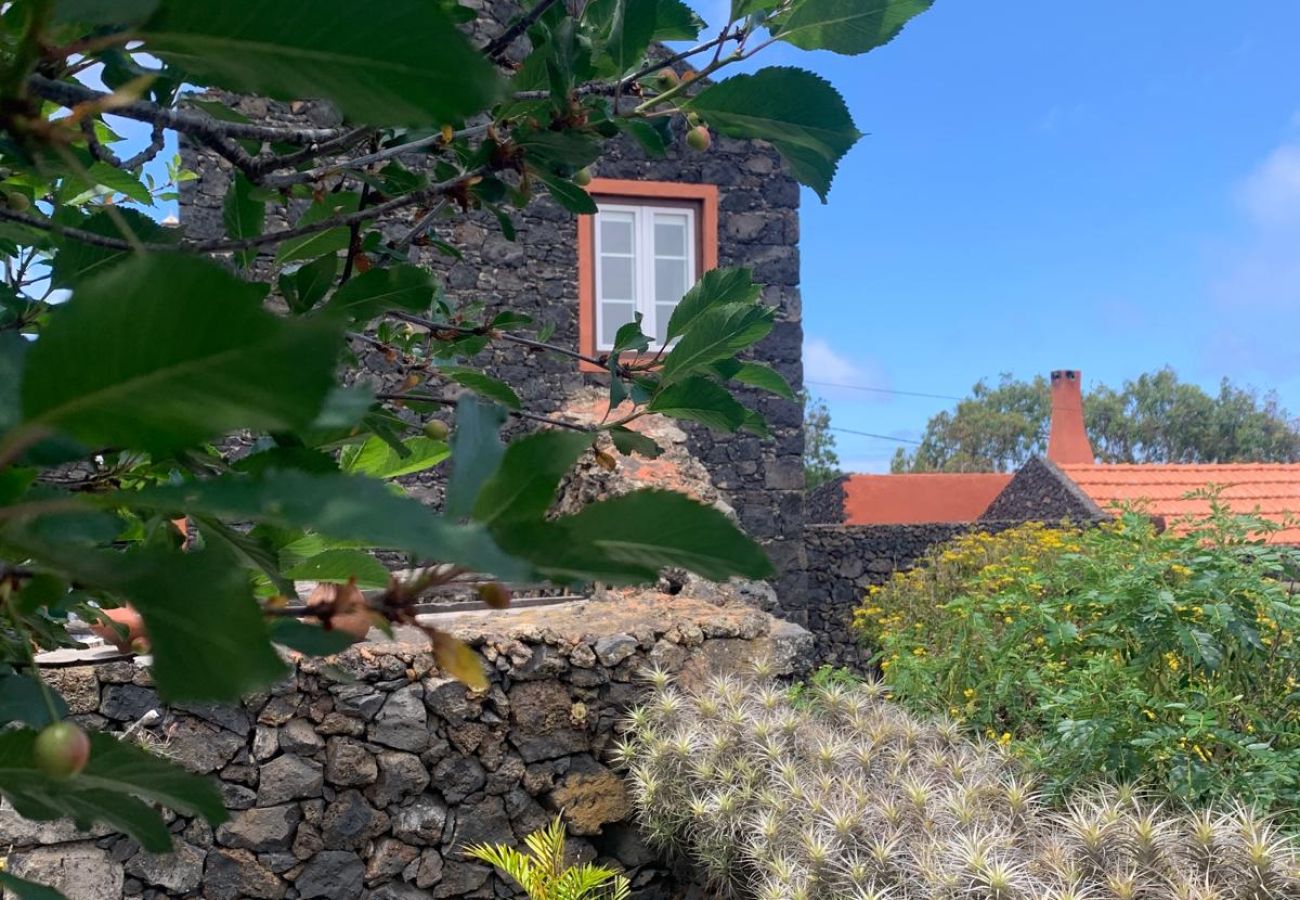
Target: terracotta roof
pixel 1269 489
pixel 919 498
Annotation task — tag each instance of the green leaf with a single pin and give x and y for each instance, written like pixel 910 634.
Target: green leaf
pixel 567 194
pixel 631 28
pixel 164 351
pixel 630 538
pixel 374 457
pixel 742 8
pixel 653 136
pixel 331 240
pixel 376 65
pixel 243 215
pixel 371 293
pixel 486 385
pixel 310 639
pixel 119 182
pixel 28 890
pixel 523 487
pixel 476 452
pixel 630 337
pixel 345 507
pixel 103 12
pixel 340 566
pixel 763 376
pixel 718 287
pixel 847 26
pixel 21 700
pixel 627 441
pixel 310 283
pixel 717 333
pixel 76 261
pixel 110 789
pixel 675 21
pixel 701 400
pixel 13 354
pixel 252 549
pixel 798 112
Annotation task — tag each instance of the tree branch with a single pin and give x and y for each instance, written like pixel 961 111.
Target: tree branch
pixel 497 47
pixel 517 413
pixel 70 94
pixel 275 181
pixel 271 237
pixel 503 335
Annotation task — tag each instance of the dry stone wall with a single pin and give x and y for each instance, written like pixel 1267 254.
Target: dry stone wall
pixel 365 775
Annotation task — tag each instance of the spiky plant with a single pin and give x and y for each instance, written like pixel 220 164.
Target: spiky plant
pixel 839 794
pixel 542 871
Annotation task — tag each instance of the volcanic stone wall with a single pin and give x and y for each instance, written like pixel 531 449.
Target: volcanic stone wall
pixel 366 775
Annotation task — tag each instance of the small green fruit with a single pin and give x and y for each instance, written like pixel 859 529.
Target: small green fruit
pixel 494 594
pixel 693 119
pixel 582 177
pixel 62 750
pixel 698 138
pixel 436 430
pixel 17 201
pixel 666 79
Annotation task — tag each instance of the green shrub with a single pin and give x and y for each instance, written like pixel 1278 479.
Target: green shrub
pixel 850 797
pixel 1116 651
pixel 543 873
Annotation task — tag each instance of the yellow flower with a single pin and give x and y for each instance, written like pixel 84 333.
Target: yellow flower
pixel 1171 660
pixel 1005 738
pixel 969 693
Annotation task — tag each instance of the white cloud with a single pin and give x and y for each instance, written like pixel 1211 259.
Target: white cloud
pixel 1270 196
pixel 823 363
pixel 1256 289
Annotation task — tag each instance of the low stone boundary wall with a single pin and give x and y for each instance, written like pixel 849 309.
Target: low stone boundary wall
pixel 844 560
pixel 365 775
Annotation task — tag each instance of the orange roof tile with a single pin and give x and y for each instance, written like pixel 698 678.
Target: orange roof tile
pixel 1271 490
pixel 920 498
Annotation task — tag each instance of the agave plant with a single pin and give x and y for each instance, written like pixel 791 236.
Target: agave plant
pixel 837 793
pixel 542 872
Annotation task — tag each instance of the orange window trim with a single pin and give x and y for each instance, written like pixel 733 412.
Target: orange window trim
pixel 706 195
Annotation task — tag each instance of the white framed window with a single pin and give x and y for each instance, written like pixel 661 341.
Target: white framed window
pixel 646 258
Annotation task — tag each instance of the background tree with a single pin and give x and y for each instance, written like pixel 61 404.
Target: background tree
pixel 130 353
pixel 820 461
pixel 1154 418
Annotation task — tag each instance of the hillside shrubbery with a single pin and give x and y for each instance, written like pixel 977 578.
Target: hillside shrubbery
pixel 1115 651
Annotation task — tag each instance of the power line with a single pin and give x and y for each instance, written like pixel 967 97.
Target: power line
pixel 877 390
pixel 883 437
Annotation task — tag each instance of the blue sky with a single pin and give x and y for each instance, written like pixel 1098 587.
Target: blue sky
pixel 1110 186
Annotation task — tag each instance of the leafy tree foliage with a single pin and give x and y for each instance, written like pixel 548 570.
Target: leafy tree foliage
pixel 1154 418
pixel 131 352
pixel 820 461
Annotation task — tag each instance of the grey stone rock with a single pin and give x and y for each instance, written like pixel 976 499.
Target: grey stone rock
pixel 299 736
pixel 230 717
pixel 425 871
pixel 348 763
pixel 358 699
pixel 448 699
pixel 201 746
pixel 128 702
pixel 540 712
pixel 400 776
pixel 78 685
pixel 179 872
pixel 261 828
pixel 289 778
pixel 331 874
pixel 459 878
pixel 236 796
pixel 482 822
pixel 403 722
pixel 613 649
pixel 17 831
pixel 233 874
pixel 349 822
pixel 81 871
pixel 266 743
pixel 421 821
pixel 459 776
pixel 388 859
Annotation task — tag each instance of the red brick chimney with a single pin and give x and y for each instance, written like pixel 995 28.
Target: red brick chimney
pixel 1067 441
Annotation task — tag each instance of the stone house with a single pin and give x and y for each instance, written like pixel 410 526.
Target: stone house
pixel 662 222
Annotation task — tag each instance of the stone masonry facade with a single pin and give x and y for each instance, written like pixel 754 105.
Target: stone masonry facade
pixel 364 777
pixel 537 274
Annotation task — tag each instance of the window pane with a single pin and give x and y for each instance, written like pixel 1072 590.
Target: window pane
pixel 663 312
pixel 615 233
pixel 616 278
pixel 614 315
pixel 670 280
pixel 670 235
